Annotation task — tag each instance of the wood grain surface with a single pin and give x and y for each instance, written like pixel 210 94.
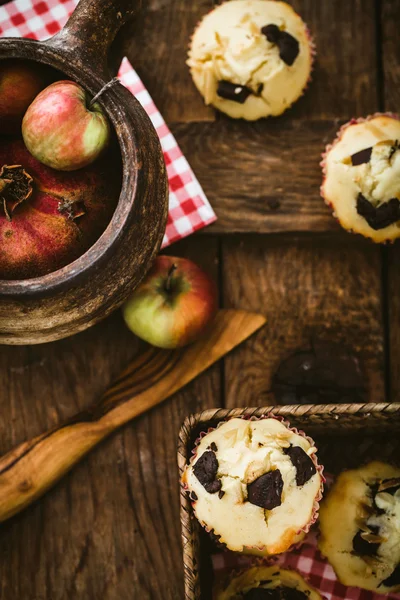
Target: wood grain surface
pixel 111 529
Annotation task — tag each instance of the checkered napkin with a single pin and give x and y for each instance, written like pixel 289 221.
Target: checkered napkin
pixel 308 561
pixel 189 209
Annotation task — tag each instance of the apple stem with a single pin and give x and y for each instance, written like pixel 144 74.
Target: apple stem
pixel 169 278
pixel 105 87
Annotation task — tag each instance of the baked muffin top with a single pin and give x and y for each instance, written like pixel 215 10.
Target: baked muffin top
pixel 362 177
pixel 254 483
pixel 251 58
pixel 360 527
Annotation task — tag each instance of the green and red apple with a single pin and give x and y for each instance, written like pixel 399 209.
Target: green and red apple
pixel 173 305
pixel 63 130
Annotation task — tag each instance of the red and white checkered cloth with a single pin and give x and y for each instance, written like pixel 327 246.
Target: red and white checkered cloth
pixel 308 561
pixel 189 209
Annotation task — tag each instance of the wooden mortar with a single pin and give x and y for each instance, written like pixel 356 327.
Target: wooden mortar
pixel 75 297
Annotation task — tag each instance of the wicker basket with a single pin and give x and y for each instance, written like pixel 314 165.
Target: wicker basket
pixel 346 436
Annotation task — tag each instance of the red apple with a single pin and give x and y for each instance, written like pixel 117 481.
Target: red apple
pixel 62 130
pixel 173 305
pixel 20 82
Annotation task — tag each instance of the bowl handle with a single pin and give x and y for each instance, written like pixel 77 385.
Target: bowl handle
pixel 90 30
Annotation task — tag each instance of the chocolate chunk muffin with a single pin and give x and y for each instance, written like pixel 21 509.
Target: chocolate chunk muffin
pixel 360 528
pixel 255 485
pixel 267 583
pixel 251 58
pixel 362 177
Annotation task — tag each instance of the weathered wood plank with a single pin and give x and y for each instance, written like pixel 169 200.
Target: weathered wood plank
pixel 390 52
pixel 262 177
pixel 344 80
pixel 393 321
pixel 311 289
pixel 104 530
pixel 156 43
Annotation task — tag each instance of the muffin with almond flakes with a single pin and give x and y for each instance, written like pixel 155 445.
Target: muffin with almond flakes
pixel 251 58
pixel 360 527
pixel 361 171
pixel 255 484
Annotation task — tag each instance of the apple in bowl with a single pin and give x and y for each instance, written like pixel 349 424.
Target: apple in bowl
pixel 173 305
pixel 64 129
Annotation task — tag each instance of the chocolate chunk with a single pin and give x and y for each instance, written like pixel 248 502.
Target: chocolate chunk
pixel 288 45
pixel 305 467
pixel 233 91
pixel 361 157
pixel 380 217
pixel 221 494
pixel 279 593
pixel 271 32
pixel 213 446
pixel 364 548
pixel 394 148
pixel 266 491
pixel 288 48
pixel 260 89
pixel 393 579
pixel 193 496
pixel 205 469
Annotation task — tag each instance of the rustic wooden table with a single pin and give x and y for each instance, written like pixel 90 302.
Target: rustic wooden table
pixel 110 530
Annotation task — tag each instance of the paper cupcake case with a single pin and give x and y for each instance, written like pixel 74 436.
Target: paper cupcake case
pixel 304 530
pixel 329 147
pixel 335 428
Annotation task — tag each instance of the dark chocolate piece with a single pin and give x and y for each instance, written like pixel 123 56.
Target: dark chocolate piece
pixel 233 91
pixel 289 48
pixel 393 579
pixel 266 491
pixel 279 593
pixel 364 548
pixel 205 469
pixel 380 217
pixel 221 494
pixel 394 148
pixel 305 467
pixel 213 447
pixel 271 32
pixel 288 45
pixel 361 157
pixel 193 496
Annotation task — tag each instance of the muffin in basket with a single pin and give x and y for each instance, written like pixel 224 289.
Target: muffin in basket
pixel 266 583
pixel 255 484
pixel 251 58
pixel 362 177
pixel 360 527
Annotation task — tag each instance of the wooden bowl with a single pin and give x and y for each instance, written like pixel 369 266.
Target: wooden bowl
pixel 75 297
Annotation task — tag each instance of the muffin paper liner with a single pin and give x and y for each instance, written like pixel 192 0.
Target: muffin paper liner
pixel 314 516
pixel 313 55
pixel 329 147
